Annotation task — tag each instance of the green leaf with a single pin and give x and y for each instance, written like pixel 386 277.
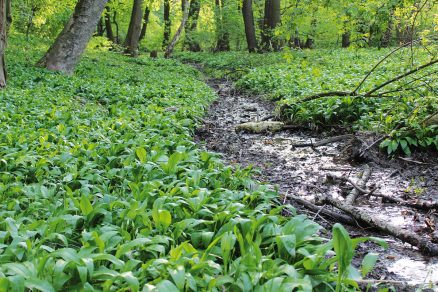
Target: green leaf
pixel 167 286
pixel 41 285
pixel 85 205
pixel 141 154
pixel 368 263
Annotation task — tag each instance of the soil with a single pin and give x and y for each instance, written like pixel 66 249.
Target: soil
pixel 303 172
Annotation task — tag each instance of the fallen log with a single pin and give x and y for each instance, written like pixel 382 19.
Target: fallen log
pixel 412 238
pixel 324 141
pixel 342 218
pixel 260 127
pixel 352 196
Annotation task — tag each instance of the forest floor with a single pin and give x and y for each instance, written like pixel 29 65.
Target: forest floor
pixel 303 172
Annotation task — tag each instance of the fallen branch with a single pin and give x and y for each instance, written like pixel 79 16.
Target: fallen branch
pixel 416 204
pixel 320 210
pixel 352 196
pixel 324 141
pixel 412 238
pixel 369 93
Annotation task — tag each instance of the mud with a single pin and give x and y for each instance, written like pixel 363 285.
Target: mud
pixel 303 171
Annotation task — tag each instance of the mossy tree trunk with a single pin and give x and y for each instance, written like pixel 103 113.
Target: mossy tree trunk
pixel 68 47
pixel 5 21
pixel 192 25
pixel 167 23
pixel 270 22
pixel 147 12
pixel 108 27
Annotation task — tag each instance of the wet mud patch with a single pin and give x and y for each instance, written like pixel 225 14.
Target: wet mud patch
pixel 303 172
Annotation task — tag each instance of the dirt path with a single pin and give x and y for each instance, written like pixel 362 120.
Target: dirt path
pixel 303 171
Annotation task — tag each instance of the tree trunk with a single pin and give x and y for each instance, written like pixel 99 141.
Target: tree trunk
pixel 346 39
pixel 223 37
pixel 108 26
pixel 192 25
pixel 100 27
pixel 147 12
pixel 248 19
pixel 270 22
pixel 172 44
pixel 5 20
pixel 133 36
pixel 65 53
pixel 167 23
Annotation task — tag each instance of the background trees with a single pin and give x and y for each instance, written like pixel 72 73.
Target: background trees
pixel 241 25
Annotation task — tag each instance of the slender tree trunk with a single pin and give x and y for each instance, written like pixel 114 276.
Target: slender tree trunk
pixel 171 46
pixel 346 39
pixel 117 38
pixel 147 12
pixel 223 37
pixel 5 20
pixel 65 53
pixel 192 25
pixel 30 22
pixel 133 36
pixel 100 27
pixel 270 22
pixel 108 26
pixel 167 23
pixel 248 19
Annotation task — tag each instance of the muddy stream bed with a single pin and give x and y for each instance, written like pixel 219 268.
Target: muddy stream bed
pixel 303 172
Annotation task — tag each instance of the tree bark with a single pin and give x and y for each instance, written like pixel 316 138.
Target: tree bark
pixel 248 19
pixel 108 26
pixel 5 20
pixel 147 12
pixel 65 53
pixel 270 22
pixel 192 25
pixel 171 46
pixel 167 23
pixel 133 36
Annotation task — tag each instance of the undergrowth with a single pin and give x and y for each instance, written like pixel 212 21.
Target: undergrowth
pixel 291 75
pixel 102 188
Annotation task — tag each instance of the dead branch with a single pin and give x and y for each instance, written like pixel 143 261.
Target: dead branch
pixel 412 238
pixel 416 204
pixel 361 183
pixel 378 64
pixel 342 218
pixel 369 93
pixel 410 72
pixel 324 141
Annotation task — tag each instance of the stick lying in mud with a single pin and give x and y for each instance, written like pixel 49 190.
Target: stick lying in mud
pixel 324 141
pixel 417 204
pixel 352 196
pixel 423 244
pixel 342 218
